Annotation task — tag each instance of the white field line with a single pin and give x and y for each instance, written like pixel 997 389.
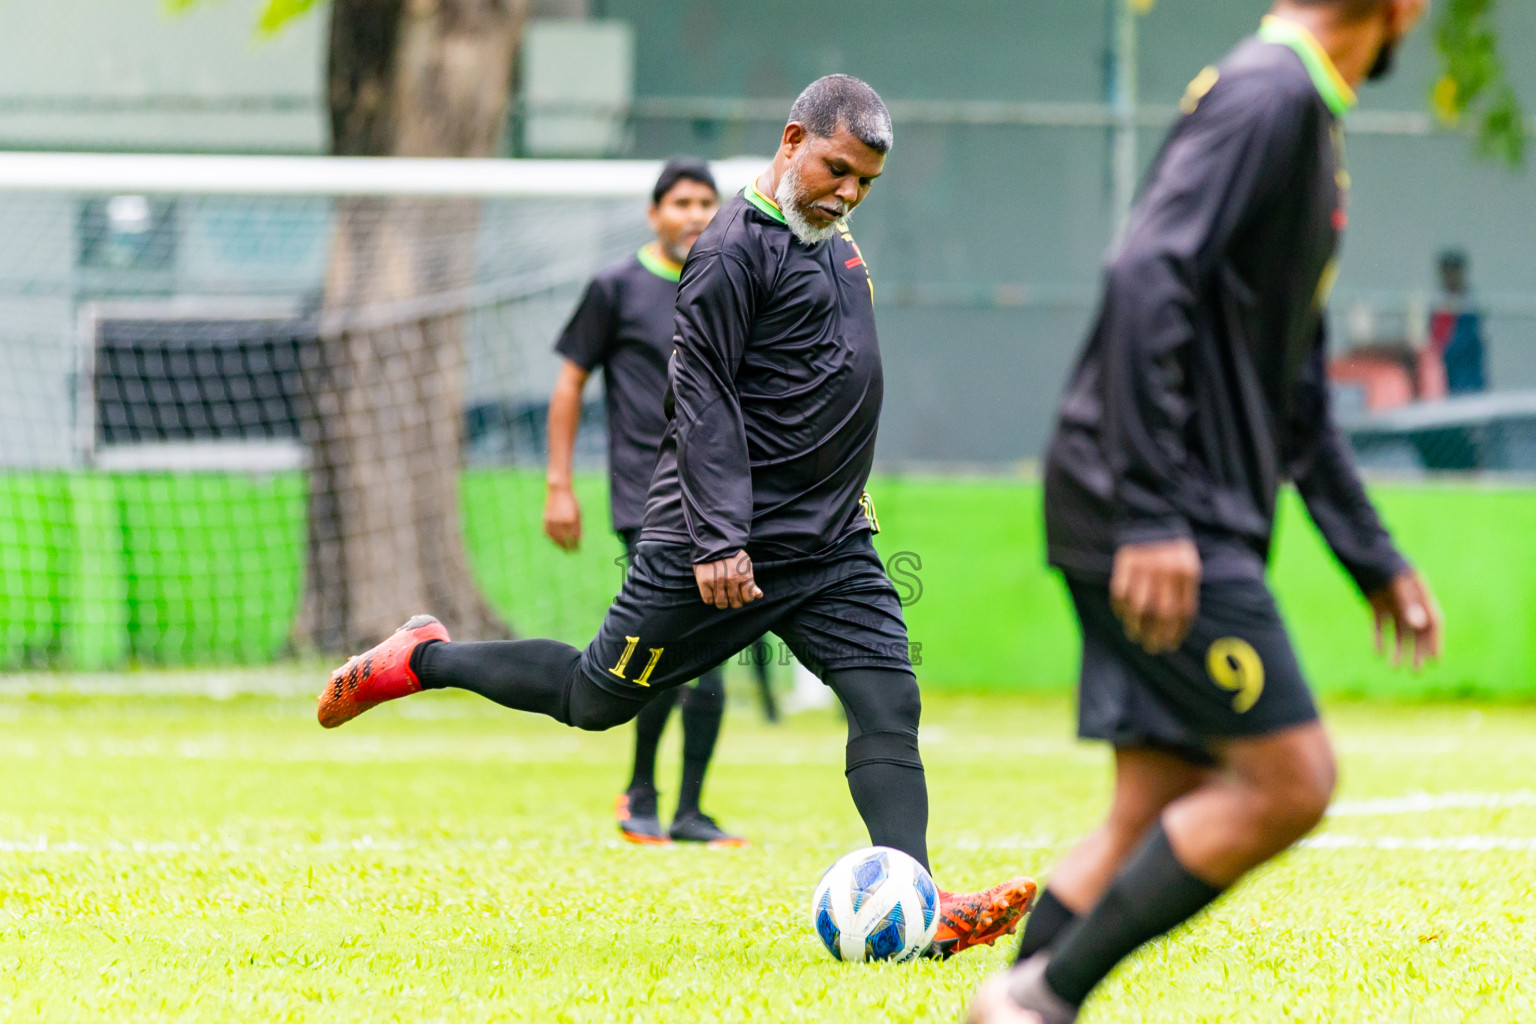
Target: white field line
pixel 1391 807
pixel 214 686
pixel 1421 844
pixel 48 847
pixel 1428 803
pixel 1326 842
pixel 481 749
pixel 362 844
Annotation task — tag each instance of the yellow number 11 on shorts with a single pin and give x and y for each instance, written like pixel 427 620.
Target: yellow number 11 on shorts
pixel 632 642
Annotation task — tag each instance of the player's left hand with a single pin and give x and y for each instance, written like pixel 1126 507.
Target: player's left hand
pixel 1412 610
pixel 728 583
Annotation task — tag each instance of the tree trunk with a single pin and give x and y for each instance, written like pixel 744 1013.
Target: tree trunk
pixel 407 78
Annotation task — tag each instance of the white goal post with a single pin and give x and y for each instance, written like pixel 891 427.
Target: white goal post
pixel 341 176
pixel 212 367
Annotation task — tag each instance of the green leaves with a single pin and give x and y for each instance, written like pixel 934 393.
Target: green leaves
pixel 278 13
pixel 275 14
pixel 1475 83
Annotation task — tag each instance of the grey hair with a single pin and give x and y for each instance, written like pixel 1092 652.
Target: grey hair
pixel 844 101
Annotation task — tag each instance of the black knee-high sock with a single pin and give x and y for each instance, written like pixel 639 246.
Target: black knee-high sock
pixel 893 801
pixel 542 676
pixel 1152 894
pixel 885 772
pixel 703 708
pixel 1046 922
pixel 525 675
pixel 649 724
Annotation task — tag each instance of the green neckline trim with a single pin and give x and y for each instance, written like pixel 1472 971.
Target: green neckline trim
pixel 763 203
pixel 650 261
pixel 1325 76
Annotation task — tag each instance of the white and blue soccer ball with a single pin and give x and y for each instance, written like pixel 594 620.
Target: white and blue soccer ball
pixel 876 904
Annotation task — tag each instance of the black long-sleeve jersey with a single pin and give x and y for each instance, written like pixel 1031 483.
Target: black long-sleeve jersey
pixel 1204 385
pixel 774 393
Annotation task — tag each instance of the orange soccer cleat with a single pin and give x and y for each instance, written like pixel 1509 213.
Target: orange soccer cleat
pixel 638 823
pixel 377 675
pixel 981 918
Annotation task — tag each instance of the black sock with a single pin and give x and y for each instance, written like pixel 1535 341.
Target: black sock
pixel 893 801
pixel 541 676
pixel 1152 894
pixel 885 773
pixel 703 708
pixel 1045 923
pixel 649 724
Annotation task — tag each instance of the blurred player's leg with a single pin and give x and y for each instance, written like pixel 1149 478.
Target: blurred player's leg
pixel 1274 790
pixel 703 709
pixel 637 811
pixel 762 657
pixel 1146 781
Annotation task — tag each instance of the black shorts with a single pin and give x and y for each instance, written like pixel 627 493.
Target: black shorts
pixel 1235 675
pixel 838 611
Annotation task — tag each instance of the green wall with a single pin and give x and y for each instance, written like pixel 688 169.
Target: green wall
pixel 992 617
pixel 100 570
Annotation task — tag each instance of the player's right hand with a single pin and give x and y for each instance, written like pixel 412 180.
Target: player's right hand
pixel 727 583
pixel 1155 591
pixel 562 517
pixel 1408 606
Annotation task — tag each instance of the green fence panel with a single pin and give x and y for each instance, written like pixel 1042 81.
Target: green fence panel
pixel 214 564
pixel 1474 544
pixel 993 617
pixel 33 531
pixel 208 568
pixel 968 560
pixel 538 588
pixel 92 585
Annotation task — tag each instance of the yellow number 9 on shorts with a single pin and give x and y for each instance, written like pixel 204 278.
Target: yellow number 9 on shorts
pixel 1234 665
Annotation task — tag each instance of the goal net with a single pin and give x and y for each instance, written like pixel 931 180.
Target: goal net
pixel 258 406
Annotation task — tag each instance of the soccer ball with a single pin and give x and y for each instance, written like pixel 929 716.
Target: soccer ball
pixel 876 904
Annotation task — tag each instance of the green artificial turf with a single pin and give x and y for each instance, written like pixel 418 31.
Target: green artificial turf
pixel 191 859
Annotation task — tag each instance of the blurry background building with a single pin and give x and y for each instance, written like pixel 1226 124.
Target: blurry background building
pixel 985 235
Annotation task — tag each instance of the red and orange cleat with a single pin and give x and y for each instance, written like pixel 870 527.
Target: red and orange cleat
pixel 981 918
pixel 375 676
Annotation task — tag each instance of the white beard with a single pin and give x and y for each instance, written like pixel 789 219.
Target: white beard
pixel 787 195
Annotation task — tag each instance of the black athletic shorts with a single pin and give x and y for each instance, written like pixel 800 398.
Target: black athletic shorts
pixel 1235 675
pixel 839 611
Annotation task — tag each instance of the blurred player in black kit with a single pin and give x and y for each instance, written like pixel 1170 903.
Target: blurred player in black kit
pixel 756 518
pixel 624 326
pixel 1203 387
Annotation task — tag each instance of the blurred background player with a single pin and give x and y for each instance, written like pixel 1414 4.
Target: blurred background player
pixel 757 518
pixel 1202 387
pixel 624 326
pixel 1456 328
